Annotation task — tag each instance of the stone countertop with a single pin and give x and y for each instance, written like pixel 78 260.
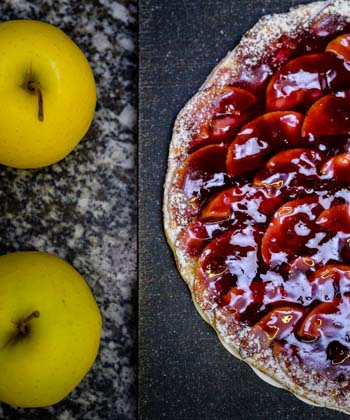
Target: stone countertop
pixel 84 207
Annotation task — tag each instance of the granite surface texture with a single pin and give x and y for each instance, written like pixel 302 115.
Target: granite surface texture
pixel 84 207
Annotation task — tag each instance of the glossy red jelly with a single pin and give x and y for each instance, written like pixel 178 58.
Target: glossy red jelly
pixel 262 137
pixel 329 116
pixel 302 81
pixel 270 170
pixel 230 109
pixel 338 168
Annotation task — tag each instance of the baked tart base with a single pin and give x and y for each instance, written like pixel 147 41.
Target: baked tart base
pixel 256 201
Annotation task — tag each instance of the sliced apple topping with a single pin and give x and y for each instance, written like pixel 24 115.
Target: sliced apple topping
pixel 262 137
pixel 340 46
pixel 286 47
pixel 329 323
pixel 236 301
pixel 204 170
pixel 220 206
pixel 232 208
pixel 329 116
pixel 236 208
pixel 229 260
pixel 338 168
pixel 329 281
pixel 229 110
pixel 255 203
pixel 335 219
pixel 303 80
pixel 277 324
pixel 290 229
pixel 295 166
pixel 319 321
pixel 250 299
pixel 196 235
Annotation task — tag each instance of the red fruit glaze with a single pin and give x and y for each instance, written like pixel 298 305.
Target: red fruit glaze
pixel 278 324
pixel 204 170
pixel 336 219
pixel 262 137
pixel 329 116
pixel 196 235
pixel 295 166
pixel 302 81
pixel 341 47
pixel 330 281
pixel 254 202
pixel 232 208
pixel 229 260
pixel 338 168
pixel 229 110
pixel 293 225
pixel 319 320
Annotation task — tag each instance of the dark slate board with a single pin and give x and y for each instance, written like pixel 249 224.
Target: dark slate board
pixel 184 372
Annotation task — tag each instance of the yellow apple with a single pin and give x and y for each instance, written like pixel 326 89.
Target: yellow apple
pixel 50 329
pixel 47 94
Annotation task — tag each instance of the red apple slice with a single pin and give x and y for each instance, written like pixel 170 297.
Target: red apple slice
pixel 319 321
pixel 236 301
pixel 338 168
pixel 328 319
pixel 227 261
pixel 290 229
pixel 277 324
pixel 328 281
pixel 204 169
pixel 248 300
pixel 261 137
pixel 290 166
pixel 329 116
pixel 229 110
pixel 196 235
pixel 254 203
pixel 231 209
pixel 325 333
pixel 335 219
pixel 302 81
pixel 254 81
pixel 340 46
pixel 262 293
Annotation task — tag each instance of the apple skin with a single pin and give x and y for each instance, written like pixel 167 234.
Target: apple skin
pixel 55 63
pixel 40 368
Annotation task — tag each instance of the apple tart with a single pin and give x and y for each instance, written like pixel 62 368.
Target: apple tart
pixel 257 201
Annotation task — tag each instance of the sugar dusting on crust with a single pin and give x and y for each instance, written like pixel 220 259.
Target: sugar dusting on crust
pixel 254 46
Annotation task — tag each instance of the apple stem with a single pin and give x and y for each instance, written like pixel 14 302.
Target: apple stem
pixel 22 325
pixel 35 88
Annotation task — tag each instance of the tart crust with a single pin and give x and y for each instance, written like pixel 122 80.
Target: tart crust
pixel 258 42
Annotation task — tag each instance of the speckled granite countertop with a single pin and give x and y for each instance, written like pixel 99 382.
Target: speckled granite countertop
pixel 84 208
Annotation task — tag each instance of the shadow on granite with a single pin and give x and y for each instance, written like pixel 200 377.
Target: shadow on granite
pixel 84 208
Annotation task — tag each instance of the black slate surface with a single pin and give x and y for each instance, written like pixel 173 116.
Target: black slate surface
pixel 184 372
